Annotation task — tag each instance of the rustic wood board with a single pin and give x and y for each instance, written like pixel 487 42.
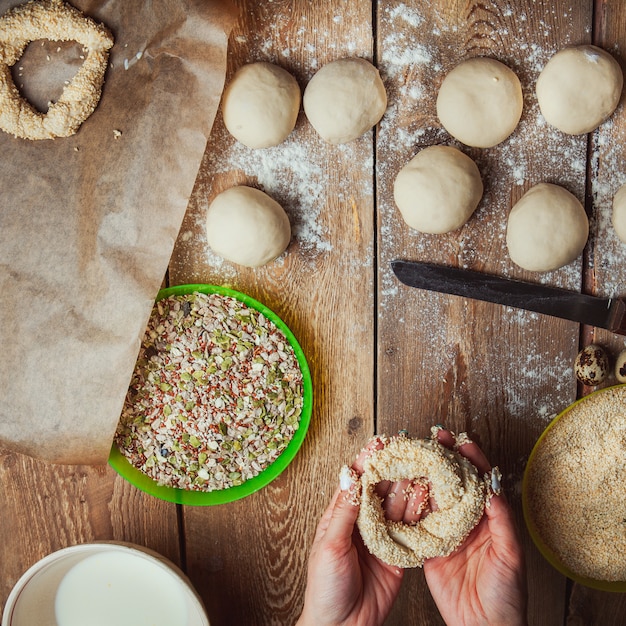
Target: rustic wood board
pixel 249 558
pixel 498 373
pixel 46 508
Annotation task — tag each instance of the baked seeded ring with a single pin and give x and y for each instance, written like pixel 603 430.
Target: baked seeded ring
pixel 454 483
pixel 56 21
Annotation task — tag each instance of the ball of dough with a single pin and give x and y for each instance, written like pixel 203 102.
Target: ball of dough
pixel 547 228
pixel 260 105
pixel 480 102
pixel 579 88
pixel 246 226
pixel 438 189
pixel 344 99
pixel 618 216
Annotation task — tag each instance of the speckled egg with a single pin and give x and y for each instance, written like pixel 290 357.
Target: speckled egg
pixel 591 365
pixel 620 367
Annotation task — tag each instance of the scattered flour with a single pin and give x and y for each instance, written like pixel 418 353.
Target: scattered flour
pixel 535 152
pixel 296 174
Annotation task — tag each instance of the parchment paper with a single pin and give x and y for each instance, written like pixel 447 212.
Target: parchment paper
pixel 88 223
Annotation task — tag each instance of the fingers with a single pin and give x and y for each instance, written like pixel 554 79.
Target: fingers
pixel 395 501
pixel 504 532
pixel 337 523
pixel 375 444
pixel 322 525
pixel 466 447
pixel 418 504
pixel 473 453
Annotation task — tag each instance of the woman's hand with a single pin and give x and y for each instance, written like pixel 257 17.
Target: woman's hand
pixel 484 580
pixel 345 583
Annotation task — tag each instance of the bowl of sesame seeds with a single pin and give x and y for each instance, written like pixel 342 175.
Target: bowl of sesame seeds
pixel 573 491
pixel 219 402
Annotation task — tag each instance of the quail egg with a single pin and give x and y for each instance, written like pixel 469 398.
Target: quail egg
pixel 591 365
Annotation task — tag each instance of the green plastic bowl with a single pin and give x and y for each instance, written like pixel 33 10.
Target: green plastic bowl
pixel 205 498
pixel 544 549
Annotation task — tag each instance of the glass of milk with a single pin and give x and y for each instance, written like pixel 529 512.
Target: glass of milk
pixel 102 584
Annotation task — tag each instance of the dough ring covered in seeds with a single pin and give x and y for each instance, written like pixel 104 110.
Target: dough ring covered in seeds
pixel 56 21
pixel 460 493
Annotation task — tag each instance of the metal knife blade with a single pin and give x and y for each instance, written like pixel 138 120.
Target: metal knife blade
pixel 608 313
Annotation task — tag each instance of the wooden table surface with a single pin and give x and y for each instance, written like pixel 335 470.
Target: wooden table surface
pixel 383 357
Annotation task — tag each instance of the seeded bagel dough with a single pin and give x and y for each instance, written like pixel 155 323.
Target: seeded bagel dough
pixel 460 493
pixel 56 21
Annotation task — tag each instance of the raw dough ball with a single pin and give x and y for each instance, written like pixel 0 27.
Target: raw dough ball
pixel 438 189
pixel 579 88
pixel 260 105
pixel 619 213
pixel 547 228
pixel 591 365
pixel 344 99
pixel 620 367
pixel 246 226
pixel 480 102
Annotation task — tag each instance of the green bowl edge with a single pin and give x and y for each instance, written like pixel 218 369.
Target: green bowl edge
pixel 544 549
pixel 207 498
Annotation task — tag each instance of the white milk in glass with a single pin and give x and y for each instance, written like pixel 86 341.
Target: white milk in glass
pixel 121 589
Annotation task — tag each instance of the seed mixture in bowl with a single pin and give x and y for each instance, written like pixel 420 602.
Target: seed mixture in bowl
pixel 574 487
pixel 216 395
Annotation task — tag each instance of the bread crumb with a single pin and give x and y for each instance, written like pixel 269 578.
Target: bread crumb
pixel 575 486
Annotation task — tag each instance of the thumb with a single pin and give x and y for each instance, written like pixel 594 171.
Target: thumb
pixel 343 514
pixel 502 526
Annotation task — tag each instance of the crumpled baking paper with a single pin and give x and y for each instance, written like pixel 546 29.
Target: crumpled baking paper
pixel 88 223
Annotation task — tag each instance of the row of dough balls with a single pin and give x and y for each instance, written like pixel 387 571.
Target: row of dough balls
pixel 479 103
pixel 260 106
pixel 344 99
pixel 440 188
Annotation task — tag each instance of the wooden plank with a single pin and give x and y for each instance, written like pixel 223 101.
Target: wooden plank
pixel 498 373
pixel 49 507
pixel 606 274
pixel 248 558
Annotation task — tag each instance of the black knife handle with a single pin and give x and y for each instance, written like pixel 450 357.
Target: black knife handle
pixel 582 308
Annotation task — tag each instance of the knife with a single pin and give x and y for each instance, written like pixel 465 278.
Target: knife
pixel 608 313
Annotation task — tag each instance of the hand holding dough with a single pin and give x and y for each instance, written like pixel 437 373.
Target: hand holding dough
pixel 453 482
